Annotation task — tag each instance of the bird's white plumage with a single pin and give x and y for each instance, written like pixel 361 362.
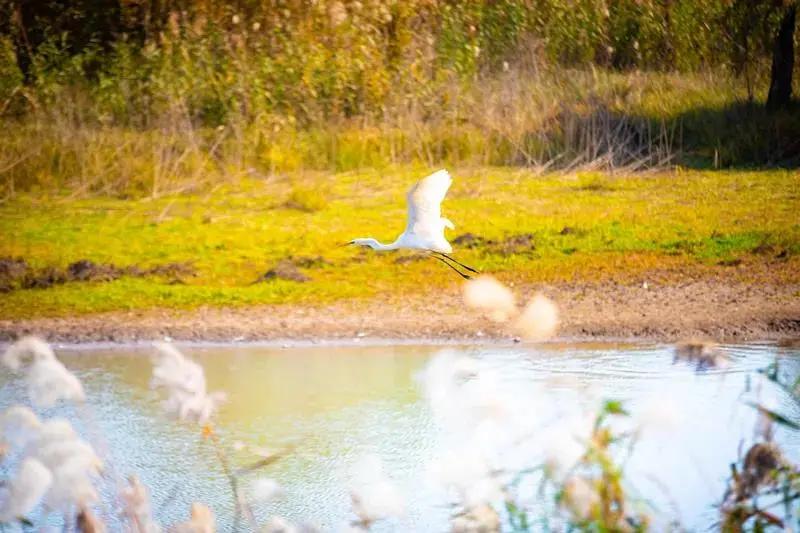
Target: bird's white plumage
pixel 425 198
pixel 425 225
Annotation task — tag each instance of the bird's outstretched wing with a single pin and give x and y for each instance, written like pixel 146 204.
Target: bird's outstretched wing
pixel 424 203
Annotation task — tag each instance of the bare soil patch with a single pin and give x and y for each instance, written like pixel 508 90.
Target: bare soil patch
pixel 16 273
pixel 289 269
pixel 721 308
pixel 521 243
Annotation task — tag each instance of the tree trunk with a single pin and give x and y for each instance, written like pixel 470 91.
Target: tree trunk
pixel 22 46
pixel 780 85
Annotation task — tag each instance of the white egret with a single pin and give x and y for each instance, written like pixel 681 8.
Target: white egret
pixel 425 226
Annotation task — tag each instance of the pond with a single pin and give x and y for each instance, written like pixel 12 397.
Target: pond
pixel 334 404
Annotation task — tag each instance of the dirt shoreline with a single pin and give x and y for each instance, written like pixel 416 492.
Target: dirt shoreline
pixel 723 310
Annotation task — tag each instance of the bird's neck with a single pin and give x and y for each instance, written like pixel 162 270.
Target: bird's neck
pixel 375 244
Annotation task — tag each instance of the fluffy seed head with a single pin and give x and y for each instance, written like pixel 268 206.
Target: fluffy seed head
pixel 25 350
pixel 491 297
pixel 18 424
pixel 539 319
pixel 373 494
pixel 29 485
pixel 467 472
pixel 71 460
pixel 49 382
pixel 185 384
pixel 265 490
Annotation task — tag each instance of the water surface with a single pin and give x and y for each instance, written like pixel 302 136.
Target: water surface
pixel 334 404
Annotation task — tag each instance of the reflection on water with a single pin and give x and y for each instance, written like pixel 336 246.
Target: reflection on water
pixel 333 404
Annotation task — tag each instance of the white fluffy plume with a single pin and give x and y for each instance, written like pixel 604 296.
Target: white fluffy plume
pixel 72 461
pixel 373 494
pixel 29 485
pixel 491 297
pixel 538 320
pixel 185 384
pixel 26 350
pixel 47 378
pixel 264 490
pixel 57 465
pixel 18 424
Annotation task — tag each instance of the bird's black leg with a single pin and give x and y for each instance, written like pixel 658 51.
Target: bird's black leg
pixel 442 257
pixel 458 263
pixel 465 276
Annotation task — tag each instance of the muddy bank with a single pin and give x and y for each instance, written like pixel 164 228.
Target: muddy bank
pixel 716 309
pixel 17 274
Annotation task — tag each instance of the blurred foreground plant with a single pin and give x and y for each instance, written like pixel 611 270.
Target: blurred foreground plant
pixel 593 494
pixel 764 488
pixel 57 468
pixel 537 321
pixel 54 464
pixel 498 432
pixel 498 436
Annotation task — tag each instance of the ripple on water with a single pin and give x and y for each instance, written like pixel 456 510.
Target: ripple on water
pixel 333 404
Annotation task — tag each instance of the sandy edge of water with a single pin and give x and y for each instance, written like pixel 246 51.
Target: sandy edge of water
pixel 719 310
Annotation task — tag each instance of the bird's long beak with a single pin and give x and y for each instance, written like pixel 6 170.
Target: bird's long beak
pixel 345 244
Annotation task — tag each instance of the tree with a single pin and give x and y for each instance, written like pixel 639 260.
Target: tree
pixel 73 26
pixel 780 86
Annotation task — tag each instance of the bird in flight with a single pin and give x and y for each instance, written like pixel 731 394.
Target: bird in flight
pixel 425 226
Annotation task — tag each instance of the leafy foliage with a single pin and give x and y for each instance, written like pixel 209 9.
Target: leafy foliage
pixel 148 98
pixel 335 59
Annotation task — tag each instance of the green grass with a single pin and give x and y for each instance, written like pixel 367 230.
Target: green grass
pixel 619 226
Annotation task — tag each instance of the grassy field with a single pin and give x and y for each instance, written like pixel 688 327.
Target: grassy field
pixel 525 228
